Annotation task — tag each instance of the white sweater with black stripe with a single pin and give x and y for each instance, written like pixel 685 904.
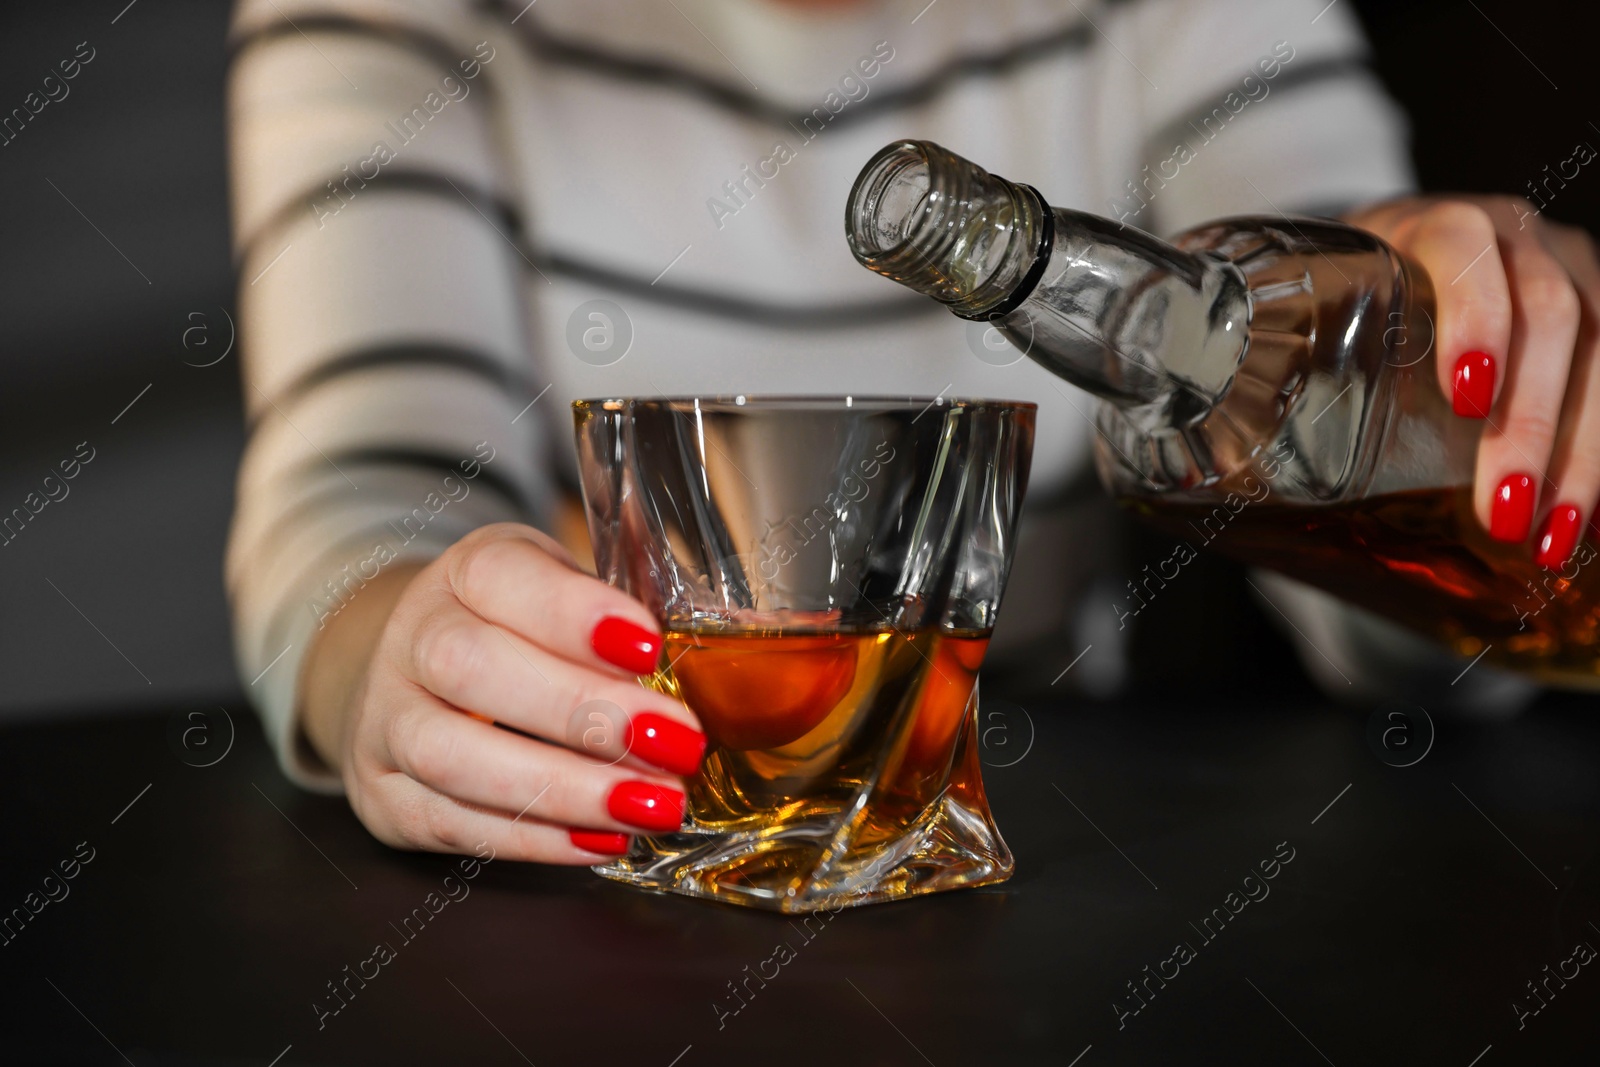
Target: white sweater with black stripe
pixel 453 218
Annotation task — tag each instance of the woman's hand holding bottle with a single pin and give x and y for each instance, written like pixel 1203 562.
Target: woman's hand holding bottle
pixel 1518 345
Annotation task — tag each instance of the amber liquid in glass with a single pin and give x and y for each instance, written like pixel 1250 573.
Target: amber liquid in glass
pixel 800 721
pixel 1421 558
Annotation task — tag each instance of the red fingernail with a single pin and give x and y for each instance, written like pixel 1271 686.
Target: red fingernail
pixel 1474 385
pixel 1512 514
pixel 620 642
pixel 665 742
pixel 1560 536
pixel 600 842
pixel 647 806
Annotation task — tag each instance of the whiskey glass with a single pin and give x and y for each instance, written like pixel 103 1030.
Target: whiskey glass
pixel 827 571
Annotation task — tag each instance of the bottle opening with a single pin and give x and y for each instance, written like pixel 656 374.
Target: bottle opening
pixel 943 226
pixel 889 199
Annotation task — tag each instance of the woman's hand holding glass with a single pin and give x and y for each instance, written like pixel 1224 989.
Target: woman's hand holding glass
pixel 491 696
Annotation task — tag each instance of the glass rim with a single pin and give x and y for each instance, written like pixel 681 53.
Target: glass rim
pixel 725 402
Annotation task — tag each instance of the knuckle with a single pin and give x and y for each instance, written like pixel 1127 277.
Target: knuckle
pixel 482 535
pixel 1582 479
pixel 432 756
pixel 416 750
pixel 1536 427
pixel 405 829
pixel 1578 460
pixel 1456 220
pixel 404 835
pixel 425 821
pixel 498 530
pixel 1548 293
pixel 482 565
pixel 441 824
pixel 414 822
pixel 564 709
pixel 555 552
pixel 565 797
pixel 397 731
pixel 448 656
pixel 368 809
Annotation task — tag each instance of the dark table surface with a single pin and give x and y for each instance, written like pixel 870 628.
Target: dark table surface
pixel 220 901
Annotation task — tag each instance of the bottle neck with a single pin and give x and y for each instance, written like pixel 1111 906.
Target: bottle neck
pixel 1108 307
pixel 945 227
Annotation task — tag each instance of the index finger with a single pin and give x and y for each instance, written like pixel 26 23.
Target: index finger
pixel 1458 246
pixel 509 577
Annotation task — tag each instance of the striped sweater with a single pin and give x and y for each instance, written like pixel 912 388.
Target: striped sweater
pixel 453 218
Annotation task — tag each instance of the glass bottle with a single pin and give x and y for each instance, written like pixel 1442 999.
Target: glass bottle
pixel 1266 386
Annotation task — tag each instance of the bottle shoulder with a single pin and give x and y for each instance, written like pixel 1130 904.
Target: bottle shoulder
pixel 1338 358
pixel 1243 238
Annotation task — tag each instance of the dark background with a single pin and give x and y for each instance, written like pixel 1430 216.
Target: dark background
pixel 135 551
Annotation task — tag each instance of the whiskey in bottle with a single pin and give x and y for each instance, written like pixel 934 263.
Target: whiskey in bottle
pixel 1265 387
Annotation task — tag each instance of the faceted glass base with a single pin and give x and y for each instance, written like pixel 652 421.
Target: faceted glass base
pixel 820 862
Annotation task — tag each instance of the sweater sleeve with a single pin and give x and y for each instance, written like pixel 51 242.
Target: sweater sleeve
pixel 380 323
